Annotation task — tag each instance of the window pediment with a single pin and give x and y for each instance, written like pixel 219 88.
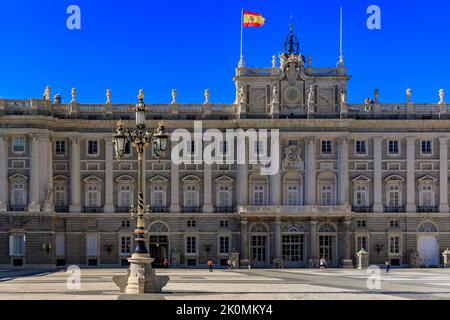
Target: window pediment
pixel 362 179
pixel 18 176
pixel 327 175
pixel 60 178
pixel 191 179
pixel 394 178
pixel 125 179
pixel 92 179
pixel 224 179
pixel 427 179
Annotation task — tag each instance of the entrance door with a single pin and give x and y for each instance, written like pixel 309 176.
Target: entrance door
pixel 259 251
pixel 158 248
pixel 428 248
pixel 326 249
pixel 293 250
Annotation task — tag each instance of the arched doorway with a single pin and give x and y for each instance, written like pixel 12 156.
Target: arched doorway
pixel 259 245
pixel 293 245
pixel 428 244
pixel 158 244
pixel 328 243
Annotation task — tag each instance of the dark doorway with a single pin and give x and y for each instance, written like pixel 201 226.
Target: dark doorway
pixel 158 248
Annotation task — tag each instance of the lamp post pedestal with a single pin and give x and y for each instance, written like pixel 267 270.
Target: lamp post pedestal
pixel 142 278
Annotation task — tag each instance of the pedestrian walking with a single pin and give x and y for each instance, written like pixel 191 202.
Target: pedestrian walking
pixel 166 263
pixel 322 263
pixel 387 266
pixel 229 264
pixel 233 264
pixel 210 265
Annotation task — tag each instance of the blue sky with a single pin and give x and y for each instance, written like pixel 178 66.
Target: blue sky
pixel 193 45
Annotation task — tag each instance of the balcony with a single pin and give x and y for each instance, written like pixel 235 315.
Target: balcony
pixel 93 209
pixel 17 208
pixel 159 209
pixel 61 209
pixel 296 210
pixel 394 209
pixel 430 209
pixel 362 209
pixel 225 209
pixel 191 209
pixel 122 209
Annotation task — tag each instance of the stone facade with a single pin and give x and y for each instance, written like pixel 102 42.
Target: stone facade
pixel 370 176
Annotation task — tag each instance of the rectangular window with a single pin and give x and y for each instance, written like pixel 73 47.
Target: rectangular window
pixel 224 245
pixel 361 224
pixel 18 194
pixel 191 223
pixel 258 195
pixel 125 196
pixel 126 223
pixel 293 195
pixel 394 196
pixel 394 245
pixel 361 243
pixel 93 147
pixel 360 147
pixel 17 245
pixel 92 246
pixel 18 145
pixel 191 196
pixel 60 195
pixel 292 246
pixel 394 224
pixel 159 196
pixel 292 143
pixel 326 147
pixel 60 147
pixel 125 245
pixel 393 147
pixel 93 197
pixel 361 196
pixel 427 147
pixel 326 195
pixel 224 223
pixel 224 196
pixel 191 245
pixel 427 196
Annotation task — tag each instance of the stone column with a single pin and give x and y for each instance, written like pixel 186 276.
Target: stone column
pixel 244 243
pixel 443 175
pixel 43 168
pixel 75 177
pixel 377 197
pixel 343 171
pixel 310 166
pixel 174 188
pixel 347 261
pixel 34 203
pixel 275 180
pixel 109 179
pixel 313 242
pixel 49 203
pixel 3 174
pixel 410 176
pixel 242 176
pixel 207 181
pixel 277 238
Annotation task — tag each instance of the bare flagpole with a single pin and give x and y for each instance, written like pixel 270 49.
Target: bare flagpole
pixel 341 52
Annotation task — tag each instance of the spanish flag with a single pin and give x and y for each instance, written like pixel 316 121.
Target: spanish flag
pixel 252 19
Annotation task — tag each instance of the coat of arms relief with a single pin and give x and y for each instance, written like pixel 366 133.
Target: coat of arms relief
pixel 292 158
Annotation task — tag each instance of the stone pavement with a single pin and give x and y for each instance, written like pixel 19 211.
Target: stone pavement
pixel 255 284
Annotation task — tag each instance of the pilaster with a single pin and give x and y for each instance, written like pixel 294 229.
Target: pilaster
pixel 443 174
pixel 377 197
pixel 109 183
pixel 310 169
pixel 410 176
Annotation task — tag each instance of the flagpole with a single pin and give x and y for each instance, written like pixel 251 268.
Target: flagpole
pixel 242 34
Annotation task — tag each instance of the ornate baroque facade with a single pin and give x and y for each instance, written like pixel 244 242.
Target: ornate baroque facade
pixel 372 176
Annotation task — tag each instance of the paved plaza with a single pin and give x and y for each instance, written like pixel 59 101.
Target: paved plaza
pixel 255 284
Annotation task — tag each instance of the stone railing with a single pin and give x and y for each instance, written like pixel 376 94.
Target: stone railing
pixel 422 109
pixel 294 209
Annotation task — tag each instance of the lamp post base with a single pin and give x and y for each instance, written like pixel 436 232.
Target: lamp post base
pixel 140 277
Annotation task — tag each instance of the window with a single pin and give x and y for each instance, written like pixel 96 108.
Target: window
pixel 361 166
pixel 361 243
pixel 191 245
pixel 224 147
pixel 393 147
pixel 125 245
pixel 326 195
pixel 60 147
pixel 258 195
pixel 224 223
pixel 93 147
pixel 394 196
pixel 360 147
pixel 291 143
pixel 158 196
pixel 17 245
pixel 292 246
pixel 427 147
pixel 394 245
pixel 18 194
pixel 191 223
pixel 125 196
pixel 224 243
pixel 92 246
pixel 426 195
pixel 126 223
pixel 191 196
pixel 60 195
pixel 127 150
pixel 361 223
pixel 326 147
pixel 224 196
pixel 93 196
pixel 394 224
pixel 18 145
pixel 293 195
pixel 361 196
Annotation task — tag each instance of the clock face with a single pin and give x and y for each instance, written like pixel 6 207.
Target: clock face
pixel 292 95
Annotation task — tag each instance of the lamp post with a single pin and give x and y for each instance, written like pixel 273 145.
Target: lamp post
pixel 141 278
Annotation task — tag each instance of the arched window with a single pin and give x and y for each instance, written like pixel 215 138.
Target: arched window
pixel 259 227
pixel 327 228
pixel 427 227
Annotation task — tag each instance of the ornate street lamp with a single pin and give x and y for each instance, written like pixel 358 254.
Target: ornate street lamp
pixel 141 277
